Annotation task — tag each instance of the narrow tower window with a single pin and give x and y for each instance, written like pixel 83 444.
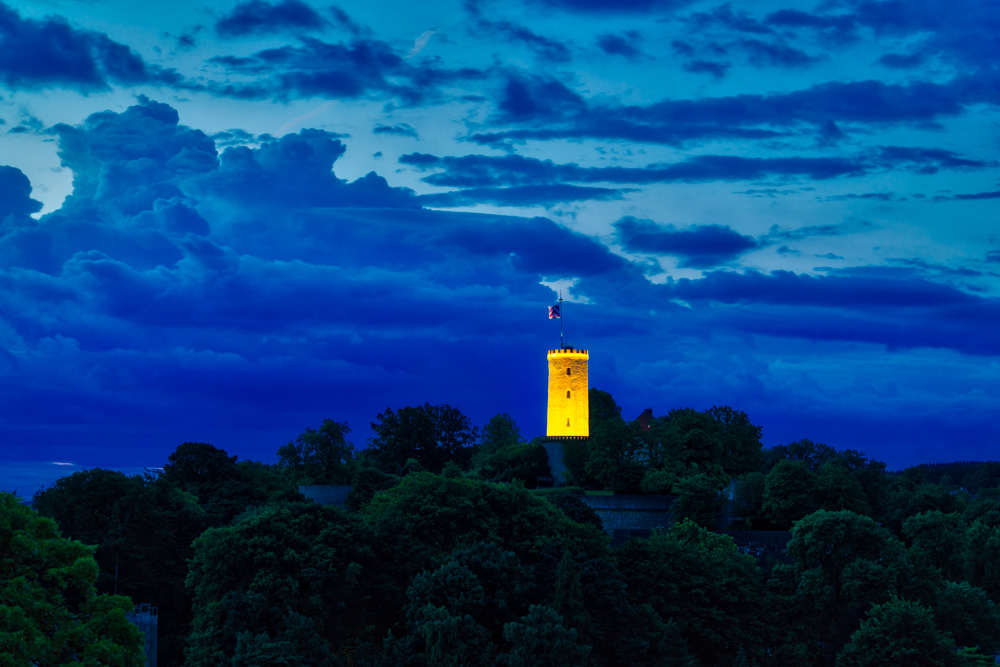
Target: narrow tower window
pixel 567 394
pixel 567 421
pixel 569 371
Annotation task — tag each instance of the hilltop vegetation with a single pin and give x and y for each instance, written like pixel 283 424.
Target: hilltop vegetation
pixel 444 555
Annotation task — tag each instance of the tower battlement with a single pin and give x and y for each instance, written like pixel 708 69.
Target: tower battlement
pixel 569 352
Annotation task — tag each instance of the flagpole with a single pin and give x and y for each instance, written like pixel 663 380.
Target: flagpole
pixel 562 343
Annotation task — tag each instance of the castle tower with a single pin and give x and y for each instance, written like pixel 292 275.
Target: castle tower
pixel 569 400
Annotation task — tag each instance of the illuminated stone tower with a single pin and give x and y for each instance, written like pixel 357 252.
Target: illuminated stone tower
pixel 569 402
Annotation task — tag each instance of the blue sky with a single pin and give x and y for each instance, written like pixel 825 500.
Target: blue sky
pixel 227 222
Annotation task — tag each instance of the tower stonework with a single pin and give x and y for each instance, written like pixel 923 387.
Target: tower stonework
pixel 569 401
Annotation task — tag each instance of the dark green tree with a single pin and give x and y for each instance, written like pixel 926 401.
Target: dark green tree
pixel 812 454
pixel 50 612
pixel 613 454
pixel 701 582
pixel 142 528
pixel 700 499
pixel 321 456
pixel 448 513
pixel 366 483
pixel 573 507
pixel 899 632
pixel 969 615
pixel 741 448
pixel 789 492
pixel 842 563
pixel 212 476
pixel 539 639
pixel 500 432
pixel 940 541
pixel 501 456
pixel 432 435
pixel 301 574
pixel 838 488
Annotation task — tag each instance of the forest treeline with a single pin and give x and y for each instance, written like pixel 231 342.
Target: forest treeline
pixel 445 555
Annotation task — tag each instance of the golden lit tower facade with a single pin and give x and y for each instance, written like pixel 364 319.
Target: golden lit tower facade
pixel 569 401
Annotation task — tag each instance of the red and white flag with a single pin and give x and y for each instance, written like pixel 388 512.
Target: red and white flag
pixel 554 312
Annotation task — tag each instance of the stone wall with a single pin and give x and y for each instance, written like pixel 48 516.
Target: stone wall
pixel 632 513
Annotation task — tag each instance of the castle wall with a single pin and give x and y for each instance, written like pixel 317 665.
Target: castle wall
pixel 326 494
pixel 632 513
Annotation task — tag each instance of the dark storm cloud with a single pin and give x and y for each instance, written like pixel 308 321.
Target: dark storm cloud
pixel 879 196
pixel 834 28
pixel 216 294
pixel 614 6
pixel 927 160
pixel 725 16
pixel 403 130
pixel 777 234
pixel 314 68
pixel 254 17
pixel 770 54
pixel 930 269
pixel 891 308
pixel 849 292
pixel 715 68
pixel 481 170
pixel 624 45
pixel 546 48
pixel 967 197
pixel 966 37
pixel 239 137
pixel 903 60
pixel 724 30
pixel 537 97
pixel 550 110
pixel 698 247
pixel 50 53
pixel 520 195
pixel 344 21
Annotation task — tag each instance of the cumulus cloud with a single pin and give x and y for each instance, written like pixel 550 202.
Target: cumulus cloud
pixel 15 195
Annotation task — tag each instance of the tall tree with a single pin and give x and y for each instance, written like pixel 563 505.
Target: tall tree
pixel 321 456
pixel 842 563
pixel 741 448
pixel 432 435
pixel 702 582
pixel 899 632
pixel 789 492
pixel 50 612
pixel 301 574
pixel 210 474
pixel 142 528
